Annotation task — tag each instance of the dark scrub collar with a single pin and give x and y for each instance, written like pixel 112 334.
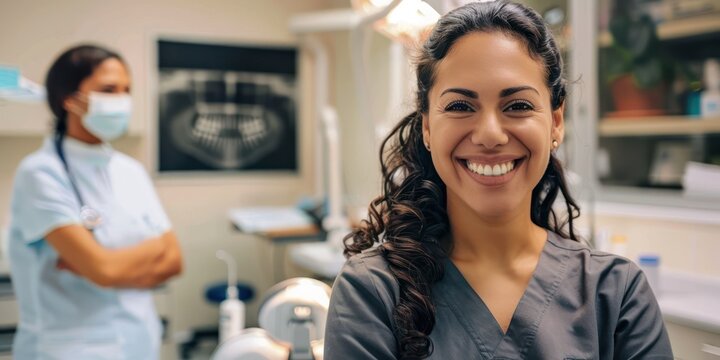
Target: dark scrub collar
pixel 475 317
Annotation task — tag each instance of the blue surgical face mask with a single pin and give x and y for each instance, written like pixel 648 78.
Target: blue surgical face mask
pixel 108 115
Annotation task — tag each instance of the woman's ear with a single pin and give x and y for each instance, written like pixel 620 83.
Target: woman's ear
pixel 73 105
pixel 558 123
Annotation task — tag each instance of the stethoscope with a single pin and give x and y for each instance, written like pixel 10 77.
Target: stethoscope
pixel 89 217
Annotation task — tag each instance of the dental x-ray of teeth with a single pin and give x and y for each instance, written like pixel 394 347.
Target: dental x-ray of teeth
pixel 226 108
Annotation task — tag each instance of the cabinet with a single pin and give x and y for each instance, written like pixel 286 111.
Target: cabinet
pixel 693 344
pixel 648 143
pixel 642 151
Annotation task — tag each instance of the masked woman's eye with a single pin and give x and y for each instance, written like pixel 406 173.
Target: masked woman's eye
pixel 459 106
pixel 520 106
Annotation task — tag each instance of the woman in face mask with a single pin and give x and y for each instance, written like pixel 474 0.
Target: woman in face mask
pixel 88 235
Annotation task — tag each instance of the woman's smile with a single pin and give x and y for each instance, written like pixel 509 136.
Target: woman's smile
pixel 491 172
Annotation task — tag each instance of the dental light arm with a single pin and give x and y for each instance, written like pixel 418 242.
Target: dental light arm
pixel 358 49
pixel 335 223
pixel 321 101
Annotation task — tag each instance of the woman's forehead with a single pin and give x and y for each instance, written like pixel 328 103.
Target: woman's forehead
pixel 489 60
pixel 109 72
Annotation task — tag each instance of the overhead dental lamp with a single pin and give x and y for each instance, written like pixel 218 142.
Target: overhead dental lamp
pixel 292 318
pixel 406 23
pixel 15 87
pixel 400 20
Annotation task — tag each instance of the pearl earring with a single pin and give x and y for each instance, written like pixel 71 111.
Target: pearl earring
pixel 555 144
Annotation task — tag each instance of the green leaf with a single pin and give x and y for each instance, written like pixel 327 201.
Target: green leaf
pixel 648 73
pixel 619 27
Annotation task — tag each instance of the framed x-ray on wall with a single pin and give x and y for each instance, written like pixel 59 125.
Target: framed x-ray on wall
pixel 224 108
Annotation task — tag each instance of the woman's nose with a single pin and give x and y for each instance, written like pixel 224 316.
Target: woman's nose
pixel 488 131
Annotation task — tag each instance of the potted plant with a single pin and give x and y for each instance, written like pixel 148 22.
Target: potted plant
pixel 637 70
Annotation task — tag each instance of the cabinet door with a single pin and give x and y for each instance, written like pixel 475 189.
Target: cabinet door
pixel 635 154
pixel 691 344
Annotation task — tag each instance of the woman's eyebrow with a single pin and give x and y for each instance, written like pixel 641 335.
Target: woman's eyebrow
pixel 474 95
pixel 512 90
pixel 465 92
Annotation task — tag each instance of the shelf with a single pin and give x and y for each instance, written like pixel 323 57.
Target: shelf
pixel 25 132
pixel 668 205
pixel 677 28
pixel 661 125
pixel 35 120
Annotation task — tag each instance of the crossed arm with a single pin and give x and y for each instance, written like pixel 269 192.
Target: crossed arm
pixel 144 265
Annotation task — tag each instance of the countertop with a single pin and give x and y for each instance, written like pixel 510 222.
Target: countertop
pixel 690 299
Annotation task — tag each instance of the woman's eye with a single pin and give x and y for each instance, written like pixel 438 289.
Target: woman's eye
pixel 520 106
pixel 458 106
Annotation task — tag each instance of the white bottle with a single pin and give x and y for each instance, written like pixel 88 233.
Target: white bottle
pixel 710 98
pixel 232 310
pixel 650 265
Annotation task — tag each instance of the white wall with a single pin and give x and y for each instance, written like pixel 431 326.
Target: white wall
pixel 33 33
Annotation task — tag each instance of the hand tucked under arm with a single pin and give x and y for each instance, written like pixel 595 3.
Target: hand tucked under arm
pixel 144 265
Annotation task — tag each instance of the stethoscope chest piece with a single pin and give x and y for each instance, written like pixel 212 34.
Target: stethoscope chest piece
pixel 90 217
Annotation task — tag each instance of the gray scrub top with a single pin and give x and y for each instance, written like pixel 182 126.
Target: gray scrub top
pixel 579 304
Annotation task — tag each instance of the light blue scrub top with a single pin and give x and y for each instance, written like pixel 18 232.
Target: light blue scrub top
pixel 62 315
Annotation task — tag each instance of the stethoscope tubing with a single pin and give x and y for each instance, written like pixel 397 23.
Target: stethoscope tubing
pixel 89 216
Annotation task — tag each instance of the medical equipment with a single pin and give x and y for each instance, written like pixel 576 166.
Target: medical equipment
pixel 232 310
pixel 89 217
pixel 15 87
pixel 336 224
pixel 255 344
pixel 403 20
pixel 292 317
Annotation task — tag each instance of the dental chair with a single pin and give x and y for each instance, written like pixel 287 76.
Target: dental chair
pixel 292 319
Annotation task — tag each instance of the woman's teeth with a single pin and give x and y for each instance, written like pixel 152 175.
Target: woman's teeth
pixel 487 170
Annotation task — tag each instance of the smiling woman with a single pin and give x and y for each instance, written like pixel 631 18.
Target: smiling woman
pixel 473 260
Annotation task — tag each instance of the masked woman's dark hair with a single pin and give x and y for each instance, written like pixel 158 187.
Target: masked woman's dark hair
pixel 409 218
pixel 67 72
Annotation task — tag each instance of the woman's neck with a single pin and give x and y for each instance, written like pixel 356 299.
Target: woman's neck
pixel 500 241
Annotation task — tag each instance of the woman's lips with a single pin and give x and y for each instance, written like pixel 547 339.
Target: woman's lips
pixel 495 174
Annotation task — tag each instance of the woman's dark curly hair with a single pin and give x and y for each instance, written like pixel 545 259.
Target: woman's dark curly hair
pixel 409 219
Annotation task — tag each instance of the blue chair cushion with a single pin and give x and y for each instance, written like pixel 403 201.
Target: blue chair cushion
pixel 217 292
